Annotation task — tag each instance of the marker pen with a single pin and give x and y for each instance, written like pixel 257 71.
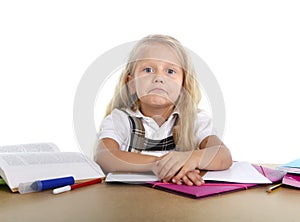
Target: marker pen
pixel 40 185
pixel 75 186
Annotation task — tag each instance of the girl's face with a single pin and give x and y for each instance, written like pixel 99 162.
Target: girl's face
pixel 158 77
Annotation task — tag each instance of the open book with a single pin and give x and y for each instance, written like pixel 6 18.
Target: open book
pixel 240 176
pixel 239 172
pixel 40 161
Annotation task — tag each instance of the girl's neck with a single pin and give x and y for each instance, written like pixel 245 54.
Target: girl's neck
pixel 158 114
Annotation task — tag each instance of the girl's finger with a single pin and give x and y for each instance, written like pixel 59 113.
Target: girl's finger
pixel 195 178
pixel 187 181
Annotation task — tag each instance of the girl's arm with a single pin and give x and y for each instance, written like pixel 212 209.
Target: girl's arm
pixel 211 155
pixel 111 158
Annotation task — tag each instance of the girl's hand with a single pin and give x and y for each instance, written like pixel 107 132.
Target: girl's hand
pixel 192 178
pixel 176 165
pixel 171 163
pixel 189 166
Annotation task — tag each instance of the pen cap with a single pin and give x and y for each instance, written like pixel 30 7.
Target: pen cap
pixel 45 184
pixel 26 188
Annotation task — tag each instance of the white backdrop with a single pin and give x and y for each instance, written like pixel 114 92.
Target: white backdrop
pixel 252 47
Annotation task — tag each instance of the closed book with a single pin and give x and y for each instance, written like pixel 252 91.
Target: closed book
pixel 291 180
pixel 291 167
pixel 205 190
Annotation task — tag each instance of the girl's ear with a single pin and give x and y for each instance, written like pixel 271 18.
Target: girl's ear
pixel 129 77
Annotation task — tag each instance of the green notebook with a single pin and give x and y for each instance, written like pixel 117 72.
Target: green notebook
pixel 2 181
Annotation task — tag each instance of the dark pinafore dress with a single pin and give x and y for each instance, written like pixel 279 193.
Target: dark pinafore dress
pixel 138 141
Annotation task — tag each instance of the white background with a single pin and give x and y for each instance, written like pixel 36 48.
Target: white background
pixel 252 47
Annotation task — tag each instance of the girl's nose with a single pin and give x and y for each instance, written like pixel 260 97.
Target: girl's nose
pixel 158 78
pixel 159 81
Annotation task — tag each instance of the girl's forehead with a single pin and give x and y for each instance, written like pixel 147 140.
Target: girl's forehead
pixel 159 52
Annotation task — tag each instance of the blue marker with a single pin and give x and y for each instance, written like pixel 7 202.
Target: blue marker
pixel 40 185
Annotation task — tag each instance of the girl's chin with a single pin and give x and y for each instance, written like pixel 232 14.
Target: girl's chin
pixel 157 101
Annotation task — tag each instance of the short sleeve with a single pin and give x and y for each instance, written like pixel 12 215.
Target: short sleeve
pixel 116 126
pixel 203 126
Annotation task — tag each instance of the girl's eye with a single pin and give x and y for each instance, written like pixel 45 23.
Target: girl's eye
pixel 171 71
pixel 148 69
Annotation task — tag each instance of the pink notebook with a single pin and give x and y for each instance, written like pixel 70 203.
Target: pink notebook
pixel 214 188
pixel 291 180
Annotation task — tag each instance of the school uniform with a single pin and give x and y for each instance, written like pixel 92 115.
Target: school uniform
pixel 135 132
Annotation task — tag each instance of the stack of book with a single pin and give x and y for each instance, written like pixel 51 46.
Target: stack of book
pixel 292 177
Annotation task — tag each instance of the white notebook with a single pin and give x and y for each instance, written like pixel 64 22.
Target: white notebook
pixel 239 172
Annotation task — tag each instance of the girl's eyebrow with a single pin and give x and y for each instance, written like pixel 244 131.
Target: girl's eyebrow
pixel 152 63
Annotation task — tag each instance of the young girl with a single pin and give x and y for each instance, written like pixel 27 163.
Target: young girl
pixel 152 122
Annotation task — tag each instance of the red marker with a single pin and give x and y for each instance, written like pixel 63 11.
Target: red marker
pixel 74 186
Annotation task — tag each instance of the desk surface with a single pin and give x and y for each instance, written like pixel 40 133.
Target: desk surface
pixel 123 202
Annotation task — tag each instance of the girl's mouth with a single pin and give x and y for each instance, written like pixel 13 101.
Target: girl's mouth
pixel 158 90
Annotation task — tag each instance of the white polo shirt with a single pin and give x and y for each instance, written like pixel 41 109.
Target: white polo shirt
pixel 117 127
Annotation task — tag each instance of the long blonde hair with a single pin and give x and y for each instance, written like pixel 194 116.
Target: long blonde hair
pixel 189 97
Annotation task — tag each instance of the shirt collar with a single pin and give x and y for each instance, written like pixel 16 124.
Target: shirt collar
pixel 139 114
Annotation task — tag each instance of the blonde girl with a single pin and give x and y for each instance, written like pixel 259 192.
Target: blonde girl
pixel 153 122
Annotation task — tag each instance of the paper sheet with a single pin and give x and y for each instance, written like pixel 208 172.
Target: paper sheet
pixel 239 172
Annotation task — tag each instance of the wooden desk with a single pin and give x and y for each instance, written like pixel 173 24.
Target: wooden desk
pixel 122 202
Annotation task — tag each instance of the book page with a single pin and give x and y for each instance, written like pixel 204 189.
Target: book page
pixel 29 167
pixel 239 172
pixel 134 178
pixel 27 148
